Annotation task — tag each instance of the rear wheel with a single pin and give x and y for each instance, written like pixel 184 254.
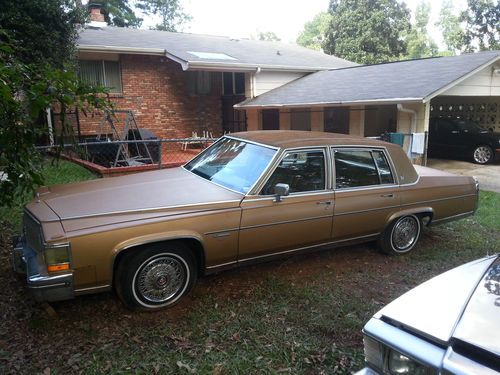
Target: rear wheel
pixel 482 154
pixel 401 235
pixel 156 276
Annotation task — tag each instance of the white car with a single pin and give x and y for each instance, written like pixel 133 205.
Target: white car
pixel 447 325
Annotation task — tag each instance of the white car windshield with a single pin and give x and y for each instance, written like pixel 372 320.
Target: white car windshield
pixel 232 163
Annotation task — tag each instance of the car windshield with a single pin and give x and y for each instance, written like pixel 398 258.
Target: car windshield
pixel 232 163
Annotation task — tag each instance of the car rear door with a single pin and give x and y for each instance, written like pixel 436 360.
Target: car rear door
pixel 301 219
pixel 366 193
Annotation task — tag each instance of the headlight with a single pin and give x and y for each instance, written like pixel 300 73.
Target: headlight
pixel 57 257
pixel 401 364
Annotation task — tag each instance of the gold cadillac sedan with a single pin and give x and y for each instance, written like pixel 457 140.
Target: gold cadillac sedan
pixel 249 197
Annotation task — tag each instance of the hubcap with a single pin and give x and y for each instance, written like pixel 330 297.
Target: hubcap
pixel 482 154
pixel 405 233
pixel 160 279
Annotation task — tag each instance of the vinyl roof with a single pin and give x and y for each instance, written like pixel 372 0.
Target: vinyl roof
pixel 404 81
pixel 295 138
pixel 194 50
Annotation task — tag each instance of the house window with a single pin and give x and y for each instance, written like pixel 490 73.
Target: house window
pixel 336 120
pixel 233 83
pixel 103 73
pixel 199 83
pixel 300 119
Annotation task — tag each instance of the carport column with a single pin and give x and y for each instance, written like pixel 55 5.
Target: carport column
pixel 357 120
pixel 317 119
pixel 285 119
pixel 253 119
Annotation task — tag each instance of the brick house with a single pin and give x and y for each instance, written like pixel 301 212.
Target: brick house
pixel 177 83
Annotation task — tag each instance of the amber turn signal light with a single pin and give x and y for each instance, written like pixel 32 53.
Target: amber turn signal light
pixel 58 267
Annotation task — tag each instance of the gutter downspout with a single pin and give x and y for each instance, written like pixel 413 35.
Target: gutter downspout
pixel 413 113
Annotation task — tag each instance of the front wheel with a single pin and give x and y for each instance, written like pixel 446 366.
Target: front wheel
pixel 482 154
pixel 155 277
pixel 401 235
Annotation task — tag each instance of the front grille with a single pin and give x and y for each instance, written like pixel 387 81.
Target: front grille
pixel 32 232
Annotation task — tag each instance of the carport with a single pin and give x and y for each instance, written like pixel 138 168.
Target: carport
pixel 392 97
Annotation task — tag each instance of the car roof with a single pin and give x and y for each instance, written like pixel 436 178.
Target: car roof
pixel 297 138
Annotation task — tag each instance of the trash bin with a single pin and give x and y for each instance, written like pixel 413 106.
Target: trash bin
pixel 397 138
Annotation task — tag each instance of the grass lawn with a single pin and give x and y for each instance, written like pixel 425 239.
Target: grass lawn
pixel 301 315
pixel 55 172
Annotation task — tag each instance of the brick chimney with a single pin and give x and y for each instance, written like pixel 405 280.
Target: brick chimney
pixel 95 14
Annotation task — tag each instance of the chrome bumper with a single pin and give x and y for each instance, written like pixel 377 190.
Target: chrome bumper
pixel 44 287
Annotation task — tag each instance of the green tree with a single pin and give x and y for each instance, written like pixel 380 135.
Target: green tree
pixel 171 12
pixel 31 80
pixel 367 31
pixel 449 24
pixel 419 43
pixel 268 36
pixel 118 13
pixel 482 25
pixel 313 35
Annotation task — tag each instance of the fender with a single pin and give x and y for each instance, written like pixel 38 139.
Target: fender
pixel 410 211
pixel 153 238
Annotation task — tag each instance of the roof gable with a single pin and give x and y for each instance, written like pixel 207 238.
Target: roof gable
pixel 194 50
pixel 412 80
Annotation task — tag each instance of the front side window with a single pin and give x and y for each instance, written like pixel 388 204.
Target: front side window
pixel 357 168
pixel 103 73
pixel 234 164
pixel 302 171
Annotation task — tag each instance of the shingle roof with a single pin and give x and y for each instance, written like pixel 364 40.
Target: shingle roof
pixel 242 53
pixel 412 80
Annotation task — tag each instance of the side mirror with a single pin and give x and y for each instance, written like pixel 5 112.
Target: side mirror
pixel 281 190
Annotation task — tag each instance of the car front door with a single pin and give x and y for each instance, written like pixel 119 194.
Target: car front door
pixel 366 193
pixel 301 219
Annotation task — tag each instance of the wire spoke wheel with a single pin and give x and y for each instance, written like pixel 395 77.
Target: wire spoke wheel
pixel 160 279
pixel 405 233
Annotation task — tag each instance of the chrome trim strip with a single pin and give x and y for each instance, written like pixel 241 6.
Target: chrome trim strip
pixel 252 142
pixel 308 247
pixel 404 342
pixel 221 231
pixel 153 209
pixel 369 210
pixel 369 187
pixel 285 222
pixel 46 286
pixel 451 218
pixel 92 288
pixel 222 265
pixel 437 200
pixel 300 194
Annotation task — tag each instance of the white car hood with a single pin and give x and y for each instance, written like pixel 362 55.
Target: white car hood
pixel 439 309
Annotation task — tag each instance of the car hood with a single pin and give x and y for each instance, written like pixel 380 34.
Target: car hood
pixel 458 304
pixel 165 191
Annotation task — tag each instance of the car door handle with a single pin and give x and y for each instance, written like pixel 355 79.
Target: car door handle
pixel 391 195
pixel 324 202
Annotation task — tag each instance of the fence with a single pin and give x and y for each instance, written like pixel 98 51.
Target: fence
pixel 107 157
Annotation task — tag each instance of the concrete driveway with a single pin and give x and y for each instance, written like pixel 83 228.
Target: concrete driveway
pixel 488 175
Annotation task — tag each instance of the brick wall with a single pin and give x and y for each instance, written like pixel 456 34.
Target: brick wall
pixel 154 88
